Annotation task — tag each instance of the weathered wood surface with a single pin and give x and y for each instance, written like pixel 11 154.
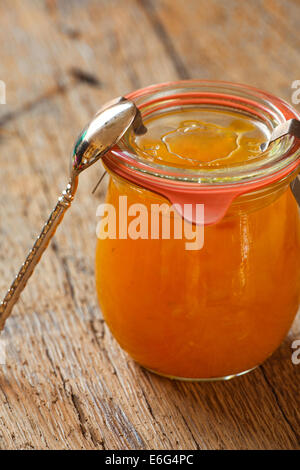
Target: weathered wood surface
pixel 67 384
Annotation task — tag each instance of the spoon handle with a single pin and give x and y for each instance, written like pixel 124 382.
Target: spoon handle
pixel 40 245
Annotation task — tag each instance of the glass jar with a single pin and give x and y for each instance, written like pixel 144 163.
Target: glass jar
pixel 218 310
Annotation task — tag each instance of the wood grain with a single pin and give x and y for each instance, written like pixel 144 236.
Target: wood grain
pixel 67 384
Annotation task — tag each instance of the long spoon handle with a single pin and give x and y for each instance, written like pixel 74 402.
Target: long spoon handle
pixel 40 245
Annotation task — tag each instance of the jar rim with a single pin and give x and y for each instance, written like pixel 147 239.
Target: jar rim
pixel 216 189
pixel 279 159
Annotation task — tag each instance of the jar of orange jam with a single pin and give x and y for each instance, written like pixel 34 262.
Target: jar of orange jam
pixel 219 308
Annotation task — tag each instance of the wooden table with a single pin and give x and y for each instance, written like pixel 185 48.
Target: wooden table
pixel 67 384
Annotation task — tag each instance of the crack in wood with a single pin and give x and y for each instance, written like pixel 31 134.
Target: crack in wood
pixel 69 31
pixel 80 414
pixel 86 432
pixel 100 343
pixel 64 264
pixel 273 391
pixel 165 39
pixel 96 334
pixel 83 76
pixel 62 86
pixel 148 404
pixel 188 427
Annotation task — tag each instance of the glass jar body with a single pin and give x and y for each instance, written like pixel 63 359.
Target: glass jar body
pixel 210 313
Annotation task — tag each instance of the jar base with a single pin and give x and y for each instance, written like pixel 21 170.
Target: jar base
pixel 195 379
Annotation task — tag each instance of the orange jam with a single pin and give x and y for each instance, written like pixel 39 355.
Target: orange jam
pixel 223 309
pixel 218 140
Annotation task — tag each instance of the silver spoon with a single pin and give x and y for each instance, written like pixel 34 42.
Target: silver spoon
pixel 102 133
pixel 291 127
